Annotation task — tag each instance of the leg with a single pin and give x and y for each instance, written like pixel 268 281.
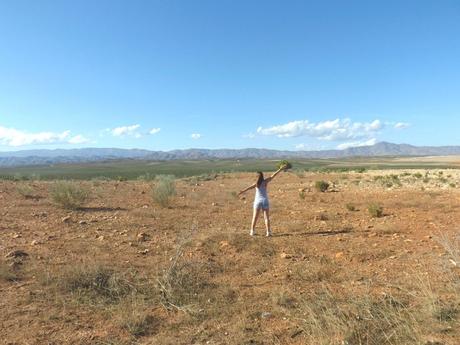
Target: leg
pixel 267 221
pixel 254 220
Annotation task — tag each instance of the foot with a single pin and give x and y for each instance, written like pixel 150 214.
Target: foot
pixel 269 233
pixel 252 233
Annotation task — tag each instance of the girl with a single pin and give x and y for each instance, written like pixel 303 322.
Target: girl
pixel 261 200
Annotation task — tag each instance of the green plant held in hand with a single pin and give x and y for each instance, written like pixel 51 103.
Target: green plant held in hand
pixel 284 164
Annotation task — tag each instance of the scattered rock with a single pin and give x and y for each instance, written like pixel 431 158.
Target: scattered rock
pixel 266 315
pixel 142 237
pixel 35 242
pixel 143 252
pixel 285 256
pixel 66 219
pixel 224 244
pixel 16 235
pixel 100 238
pixel 339 255
pixel 16 254
pixel 82 222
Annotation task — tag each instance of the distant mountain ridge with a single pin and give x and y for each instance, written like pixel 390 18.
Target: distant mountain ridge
pixel 60 156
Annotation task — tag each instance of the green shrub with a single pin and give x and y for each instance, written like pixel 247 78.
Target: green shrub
pixel 375 210
pixel 350 207
pixel 68 195
pixel 163 189
pixel 321 186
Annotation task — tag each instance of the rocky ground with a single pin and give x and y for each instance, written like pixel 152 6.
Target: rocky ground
pixel 125 270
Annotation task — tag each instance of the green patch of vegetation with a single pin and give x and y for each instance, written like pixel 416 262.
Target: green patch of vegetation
pixel 321 186
pixel 375 210
pixel 350 207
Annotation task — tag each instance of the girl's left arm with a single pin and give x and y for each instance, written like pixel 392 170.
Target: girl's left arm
pixel 245 190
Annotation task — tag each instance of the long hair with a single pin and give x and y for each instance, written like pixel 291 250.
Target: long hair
pixel 260 178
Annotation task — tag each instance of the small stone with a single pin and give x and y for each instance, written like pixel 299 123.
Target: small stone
pixel 100 238
pixel 82 222
pixel 339 255
pixel 143 252
pixel 35 242
pixel 142 237
pixel 16 235
pixel 285 256
pixel 266 315
pixel 66 219
pixel 224 244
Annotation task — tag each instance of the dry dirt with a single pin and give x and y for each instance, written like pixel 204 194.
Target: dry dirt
pixel 194 275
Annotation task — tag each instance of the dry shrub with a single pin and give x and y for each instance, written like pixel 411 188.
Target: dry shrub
pixel 375 210
pixel 6 273
pixel 26 191
pixel 327 318
pixel 93 283
pixel 321 186
pixel 164 189
pixel 68 195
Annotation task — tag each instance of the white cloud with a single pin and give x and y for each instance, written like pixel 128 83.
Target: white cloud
pixel 401 125
pixel 195 136
pixel 154 130
pixel 369 142
pixel 249 136
pixel 331 130
pixel 78 139
pixel 15 137
pixel 126 131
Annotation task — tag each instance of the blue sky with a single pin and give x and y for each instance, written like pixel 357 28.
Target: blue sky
pixel 171 74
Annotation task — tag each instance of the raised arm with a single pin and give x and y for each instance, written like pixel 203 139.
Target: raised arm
pixel 245 190
pixel 275 173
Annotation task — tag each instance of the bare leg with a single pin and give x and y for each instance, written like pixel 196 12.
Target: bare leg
pixel 267 222
pixel 254 220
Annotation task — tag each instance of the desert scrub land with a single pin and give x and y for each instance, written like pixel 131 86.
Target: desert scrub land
pixel 120 266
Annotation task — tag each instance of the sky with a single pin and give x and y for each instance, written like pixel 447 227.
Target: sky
pixel 291 75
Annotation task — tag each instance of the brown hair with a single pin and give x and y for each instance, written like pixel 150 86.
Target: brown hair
pixel 260 178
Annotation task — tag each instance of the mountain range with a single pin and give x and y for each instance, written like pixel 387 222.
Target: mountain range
pixel 85 155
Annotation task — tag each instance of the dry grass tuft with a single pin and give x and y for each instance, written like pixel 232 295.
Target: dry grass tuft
pixel 68 195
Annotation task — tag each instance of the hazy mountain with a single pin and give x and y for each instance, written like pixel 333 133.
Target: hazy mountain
pixel 46 157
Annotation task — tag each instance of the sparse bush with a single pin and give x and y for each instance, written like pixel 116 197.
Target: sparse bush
pixel 302 194
pixel 26 191
pixel 93 283
pixel 134 317
pixel 164 189
pixel 350 207
pixel 361 170
pixel 68 195
pixel 418 175
pixel 321 186
pixel 6 274
pixel 384 320
pixel 375 210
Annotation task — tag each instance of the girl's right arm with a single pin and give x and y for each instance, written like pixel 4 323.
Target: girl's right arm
pixel 245 190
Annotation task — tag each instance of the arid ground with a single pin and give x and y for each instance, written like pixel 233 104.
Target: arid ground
pixel 125 270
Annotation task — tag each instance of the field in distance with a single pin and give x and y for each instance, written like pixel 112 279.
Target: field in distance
pixel 134 169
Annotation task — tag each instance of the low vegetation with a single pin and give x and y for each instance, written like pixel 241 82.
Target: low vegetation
pixel 321 186
pixel 375 210
pixel 68 195
pixel 164 189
